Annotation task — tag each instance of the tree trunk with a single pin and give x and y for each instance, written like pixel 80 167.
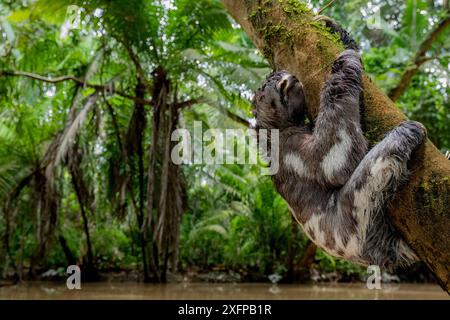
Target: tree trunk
pixel 299 271
pixel 285 32
pixel 304 266
pixel 166 192
pixel 70 257
pixel 90 273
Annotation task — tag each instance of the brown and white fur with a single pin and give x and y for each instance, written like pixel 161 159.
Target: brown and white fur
pixel 335 188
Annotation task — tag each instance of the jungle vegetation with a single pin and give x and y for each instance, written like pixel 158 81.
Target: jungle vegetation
pixel 90 92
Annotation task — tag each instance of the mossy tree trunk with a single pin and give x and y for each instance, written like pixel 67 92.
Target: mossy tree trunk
pixel 285 32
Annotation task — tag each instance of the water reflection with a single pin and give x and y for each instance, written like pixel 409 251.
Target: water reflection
pixel 130 290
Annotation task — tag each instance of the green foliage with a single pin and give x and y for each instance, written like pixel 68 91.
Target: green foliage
pixel 327 263
pixel 244 226
pixel 392 35
pixel 234 219
pixel 112 248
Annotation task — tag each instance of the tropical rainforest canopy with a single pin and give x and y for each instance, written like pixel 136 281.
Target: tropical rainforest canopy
pixel 90 92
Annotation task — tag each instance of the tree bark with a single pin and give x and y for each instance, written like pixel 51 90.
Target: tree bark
pixel 90 273
pixel 70 257
pixel 285 32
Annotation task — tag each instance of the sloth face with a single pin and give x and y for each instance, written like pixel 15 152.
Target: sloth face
pixel 280 102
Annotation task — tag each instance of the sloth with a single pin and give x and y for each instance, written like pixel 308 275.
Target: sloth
pixel 336 189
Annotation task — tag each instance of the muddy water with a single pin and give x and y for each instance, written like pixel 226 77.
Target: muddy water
pixel 131 290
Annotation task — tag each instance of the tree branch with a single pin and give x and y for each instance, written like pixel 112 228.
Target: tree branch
pixel 419 59
pixel 237 118
pixel 42 78
pixel 189 103
pixel 78 81
pixel 228 113
pixel 325 7
pixel 285 32
pixel 140 71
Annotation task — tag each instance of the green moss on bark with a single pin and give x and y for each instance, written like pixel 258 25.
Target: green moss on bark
pixel 294 8
pixel 257 17
pixel 326 32
pixel 432 194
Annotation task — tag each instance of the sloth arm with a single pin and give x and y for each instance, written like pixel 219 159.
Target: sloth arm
pixel 337 141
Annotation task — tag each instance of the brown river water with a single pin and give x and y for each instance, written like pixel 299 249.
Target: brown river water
pixel 194 291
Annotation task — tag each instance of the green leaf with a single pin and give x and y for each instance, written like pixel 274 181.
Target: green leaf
pixel 6 26
pixel 19 15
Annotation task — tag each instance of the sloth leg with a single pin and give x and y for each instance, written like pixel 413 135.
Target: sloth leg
pixel 372 184
pixel 338 141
